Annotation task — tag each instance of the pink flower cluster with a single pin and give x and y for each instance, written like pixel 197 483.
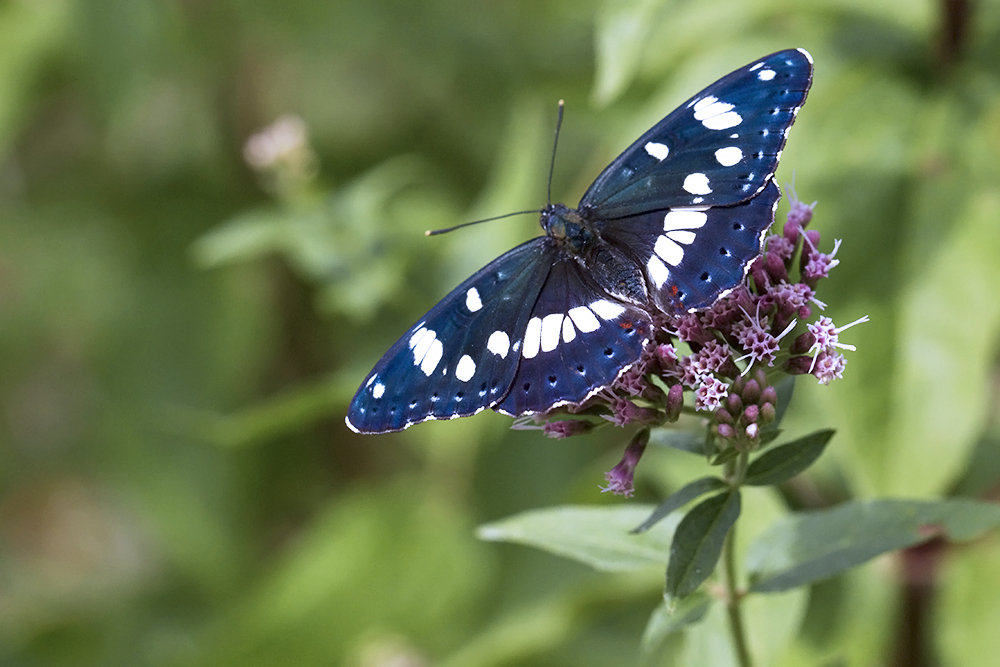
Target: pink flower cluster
pixel 729 347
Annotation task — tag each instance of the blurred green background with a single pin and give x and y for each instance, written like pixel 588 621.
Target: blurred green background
pixel 180 335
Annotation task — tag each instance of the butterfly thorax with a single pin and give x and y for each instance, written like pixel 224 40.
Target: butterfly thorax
pixel 567 228
pixel 577 236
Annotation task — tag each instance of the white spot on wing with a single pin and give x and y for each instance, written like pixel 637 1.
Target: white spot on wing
pixel 765 74
pixel 584 319
pixel 472 300
pixel 728 156
pixel 658 271
pixel 682 236
pixel 421 343
pixel 671 253
pixel 659 151
pixel 378 390
pixel 417 336
pixel 704 103
pixel 465 369
pixel 551 328
pixel 370 380
pixel 499 344
pixel 607 310
pixel 716 115
pixel 683 219
pixel 697 184
pixel 569 333
pixel 723 121
pixel 757 66
pixel 433 356
pixel 532 338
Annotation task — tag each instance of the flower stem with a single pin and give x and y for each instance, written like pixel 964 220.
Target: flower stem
pixel 735 472
pixel 733 599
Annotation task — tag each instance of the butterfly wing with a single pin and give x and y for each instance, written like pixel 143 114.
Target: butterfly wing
pixel 692 257
pixel 578 340
pixel 718 149
pixel 461 357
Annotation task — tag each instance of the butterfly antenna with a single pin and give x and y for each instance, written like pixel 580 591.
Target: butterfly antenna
pixel 435 232
pixel 555 145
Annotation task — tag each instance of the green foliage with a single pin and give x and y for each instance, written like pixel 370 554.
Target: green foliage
pixel 783 463
pixel 181 335
pixel 811 546
pixel 698 543
pixel 595 536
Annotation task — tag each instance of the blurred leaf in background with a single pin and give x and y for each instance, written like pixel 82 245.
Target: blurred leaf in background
pixel 179 341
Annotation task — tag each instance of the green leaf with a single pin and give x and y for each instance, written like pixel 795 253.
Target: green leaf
pixel 679 498
pixel 685 441
pixel 724 456
pixel 698 542
pixel 670 617
pixel 596 536
pixel 810 546
pixel 785 462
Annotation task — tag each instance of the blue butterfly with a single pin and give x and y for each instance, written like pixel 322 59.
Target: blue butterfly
pixel 672 224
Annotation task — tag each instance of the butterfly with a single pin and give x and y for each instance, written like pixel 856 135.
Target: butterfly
pixel 671 225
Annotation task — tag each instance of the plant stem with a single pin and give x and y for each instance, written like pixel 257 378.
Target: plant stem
pixel 733 599
pixel 735 474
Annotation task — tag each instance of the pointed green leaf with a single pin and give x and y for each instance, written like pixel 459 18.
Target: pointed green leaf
pixel 810 546
pixel 785 462
pixel 724 456
pixel 679 498
pixel 597 536
pixel 670 617
pixel 698 542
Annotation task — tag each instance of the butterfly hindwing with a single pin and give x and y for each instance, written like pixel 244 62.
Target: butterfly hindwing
pixel 692 256
pixel 717 149
pixel 462 355
pixel 577 341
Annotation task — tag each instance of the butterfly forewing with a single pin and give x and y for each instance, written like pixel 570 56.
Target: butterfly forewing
pixel 462 356
pixel 717 149
pixel 577 341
